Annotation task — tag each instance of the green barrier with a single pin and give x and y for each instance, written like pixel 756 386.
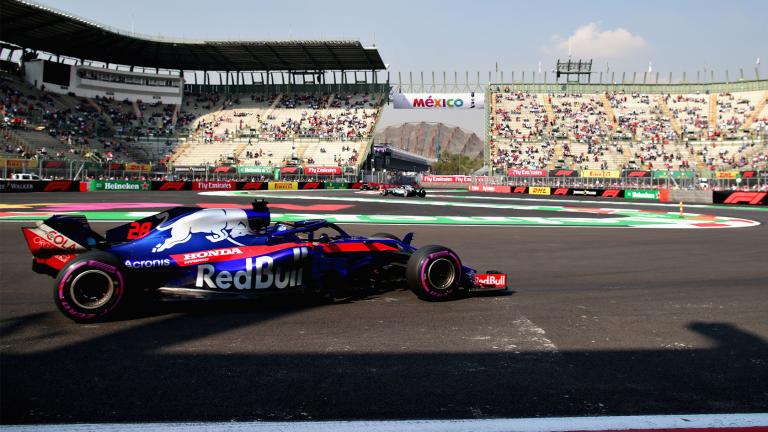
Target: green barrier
pixel 92 165
pixel 118 185
pixel 335 185
pixel 257 169
pixel 641 194
pixel 674 174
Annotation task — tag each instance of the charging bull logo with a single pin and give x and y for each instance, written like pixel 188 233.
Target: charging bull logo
pixel 218 224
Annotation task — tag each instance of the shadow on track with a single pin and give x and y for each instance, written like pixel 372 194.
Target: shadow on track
pixel 135 374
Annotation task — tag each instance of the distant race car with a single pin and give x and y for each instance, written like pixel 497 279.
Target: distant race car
pixel 366 186
pixel 404 191
pixel 233 250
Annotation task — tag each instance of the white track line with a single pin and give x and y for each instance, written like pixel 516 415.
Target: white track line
pixel 557 424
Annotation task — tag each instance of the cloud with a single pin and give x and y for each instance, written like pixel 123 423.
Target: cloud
pixel 590 41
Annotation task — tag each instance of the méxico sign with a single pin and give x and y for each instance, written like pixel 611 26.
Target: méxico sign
pixel 438 100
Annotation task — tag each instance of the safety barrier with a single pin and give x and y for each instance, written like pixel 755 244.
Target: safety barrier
pixel 691 196
pixel 41 186
pixel 662 195
pixel 736 197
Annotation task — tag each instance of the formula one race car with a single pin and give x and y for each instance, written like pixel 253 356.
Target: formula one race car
pixel 404 191
pixel 233 250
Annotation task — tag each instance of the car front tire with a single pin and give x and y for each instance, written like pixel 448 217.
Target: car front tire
pixel 434 273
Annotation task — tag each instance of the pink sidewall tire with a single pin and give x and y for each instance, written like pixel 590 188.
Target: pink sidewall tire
pixel 434 273
pixel 90 288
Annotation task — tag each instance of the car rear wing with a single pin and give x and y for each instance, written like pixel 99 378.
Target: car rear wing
pixel 58 239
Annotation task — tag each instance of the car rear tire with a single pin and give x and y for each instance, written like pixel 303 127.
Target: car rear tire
pixel 90 288
pixel 434 273
pixel 421 193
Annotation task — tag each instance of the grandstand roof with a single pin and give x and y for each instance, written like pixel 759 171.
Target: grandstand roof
pixel 42 28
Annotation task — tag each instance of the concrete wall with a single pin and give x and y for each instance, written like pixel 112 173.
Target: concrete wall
pixel 696 197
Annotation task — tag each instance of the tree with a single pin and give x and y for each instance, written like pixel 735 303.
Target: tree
pixel 456 164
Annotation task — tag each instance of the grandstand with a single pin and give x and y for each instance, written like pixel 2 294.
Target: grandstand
pixel 136 107
pixel 628 126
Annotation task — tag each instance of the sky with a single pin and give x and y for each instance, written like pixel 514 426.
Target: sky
pixel 431 35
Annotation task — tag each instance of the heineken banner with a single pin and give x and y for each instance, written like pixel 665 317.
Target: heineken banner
pixel 450 101
pixel 119 185
pixel 601 173
pixel 261 170
pixel 674 174
pixel 641 194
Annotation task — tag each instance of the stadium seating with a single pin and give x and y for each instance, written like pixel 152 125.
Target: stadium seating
pixel 330 129
pixel 610 129
pixel 322 129
pixel 616 129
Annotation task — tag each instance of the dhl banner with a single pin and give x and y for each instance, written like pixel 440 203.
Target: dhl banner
pixel 283 186
pixel 601 173
pixel 726 174
pixel 539 190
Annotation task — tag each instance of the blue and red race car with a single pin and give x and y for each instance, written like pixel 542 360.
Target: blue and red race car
pixel 225 250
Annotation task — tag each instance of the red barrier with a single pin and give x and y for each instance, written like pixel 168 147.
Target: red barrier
pixel 213 185
pixel 451 179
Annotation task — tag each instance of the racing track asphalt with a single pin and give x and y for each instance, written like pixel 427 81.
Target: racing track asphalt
pixel 601 321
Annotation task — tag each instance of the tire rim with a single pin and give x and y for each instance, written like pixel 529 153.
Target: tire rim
pixel 441 273
pixel 91 289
